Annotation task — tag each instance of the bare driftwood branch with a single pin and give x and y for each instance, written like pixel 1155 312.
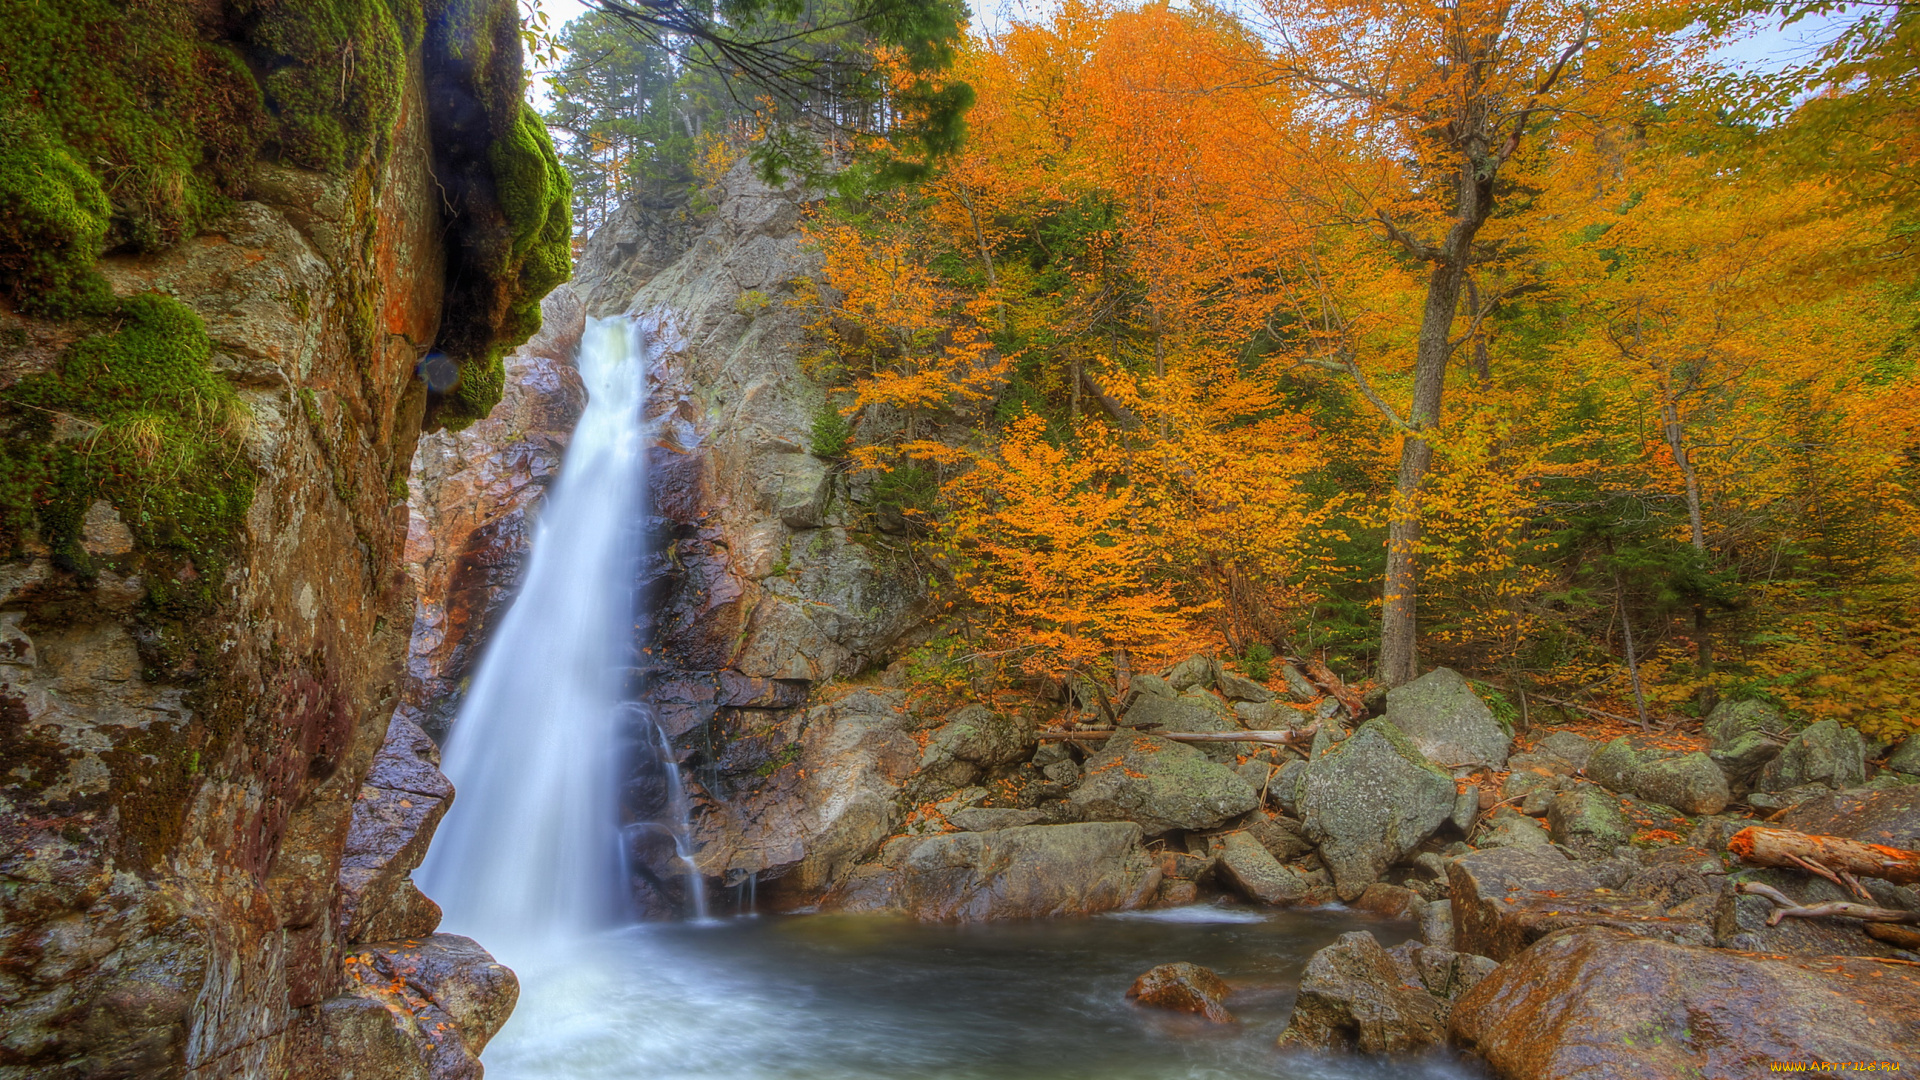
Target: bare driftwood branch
pixel 1786 908
pixel 1303 737
pixel 1761 846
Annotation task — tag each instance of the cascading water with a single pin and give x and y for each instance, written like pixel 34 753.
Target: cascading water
pixel 532 849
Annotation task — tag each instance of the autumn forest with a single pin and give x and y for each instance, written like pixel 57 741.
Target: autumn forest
pixel 1524 338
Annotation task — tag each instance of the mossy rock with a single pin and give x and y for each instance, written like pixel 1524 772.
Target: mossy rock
pixel 333 72
pixel 134 97
pixel 513 223
pixel 138 417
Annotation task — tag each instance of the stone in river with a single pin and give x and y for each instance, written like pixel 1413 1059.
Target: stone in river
pixel 1184 987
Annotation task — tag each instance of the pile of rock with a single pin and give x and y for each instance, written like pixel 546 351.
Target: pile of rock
pixel 1613 939
pixel 992 821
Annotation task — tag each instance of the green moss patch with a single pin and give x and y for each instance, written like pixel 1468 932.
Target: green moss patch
pixel 333 71
pixel 134 94
pixel 137 417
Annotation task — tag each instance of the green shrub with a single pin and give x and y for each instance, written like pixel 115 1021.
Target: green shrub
pixel 832 433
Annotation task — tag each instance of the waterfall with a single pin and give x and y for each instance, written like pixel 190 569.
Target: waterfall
pixel 532 847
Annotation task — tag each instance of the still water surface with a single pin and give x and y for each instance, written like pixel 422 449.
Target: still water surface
pixel 861 998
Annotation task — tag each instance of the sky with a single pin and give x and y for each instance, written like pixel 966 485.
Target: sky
pixel 1768 47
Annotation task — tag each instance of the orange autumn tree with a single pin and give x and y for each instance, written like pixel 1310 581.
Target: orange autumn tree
pixel 1446 94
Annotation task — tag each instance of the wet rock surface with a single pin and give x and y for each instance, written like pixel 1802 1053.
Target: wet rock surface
pixel 1506 899
pixel 1184 987
pixel 1033 872
pixel 1602 1002
pixel 421 1008
pixel 403 799
pixel 1356 996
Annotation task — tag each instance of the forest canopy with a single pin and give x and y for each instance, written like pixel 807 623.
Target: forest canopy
pixel 1522 328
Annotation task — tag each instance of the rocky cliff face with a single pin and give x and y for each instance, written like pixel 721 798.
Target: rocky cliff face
pixel 767 578
pixel 204 600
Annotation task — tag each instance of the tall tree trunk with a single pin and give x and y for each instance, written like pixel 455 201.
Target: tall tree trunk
pixel 1702 631
pixel 1399 653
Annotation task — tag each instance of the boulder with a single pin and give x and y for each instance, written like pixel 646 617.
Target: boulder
pixel 1252 870
pixel 1740 920
pixel 1037 871
pixel 1356 997
pixel 1183 987
pixel 1691 784
pixel 1193 711
pixel 1443 972
pixel 1905 758
pixel 1280 836
pixel 1598 1002
pixel 1369 801
pixel 1890 817
pixel 1442 716
pixel 1267 715
pixel 1614 764
pixel 1191 672
pixel 977 734
pixel 1825 753
pixel 1390 901
pixel 416 1010
pixel 1507 898
pixel 1436 925
pixel 402 800
pixel 1568 747
pixel 983 819
pixel 1299 687
pixel 1240 688
pixel 1740 743
pixel 1589 821
pixel 1161 785
pixel 1507 827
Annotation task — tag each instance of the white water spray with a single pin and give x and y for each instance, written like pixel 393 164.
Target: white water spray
pixel 532 848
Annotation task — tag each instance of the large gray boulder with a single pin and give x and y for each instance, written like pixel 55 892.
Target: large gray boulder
pixel 978 734
pixel 1192 711
pixel 1825 753
pixel 1598 1002
pixel 1162 785
pixel 1614 764
pixel 1589 821
pixel 1038 871
pixel 1356 996
pixel 1369 801
pixel 1691 784
pixel 1239 687
pixel 1905 758
pixel 1741 746
pixel 1249 867
pixel 1448 721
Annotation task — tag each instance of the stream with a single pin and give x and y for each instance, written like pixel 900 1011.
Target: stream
pixel 847 997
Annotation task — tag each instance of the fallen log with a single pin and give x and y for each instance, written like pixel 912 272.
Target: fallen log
pixel 1786 908
pixel 1303 737
pixel 1340 691
pixel 1897 936
pixel 1761 846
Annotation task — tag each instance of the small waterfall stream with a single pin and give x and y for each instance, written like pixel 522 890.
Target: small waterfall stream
pixel 532 850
